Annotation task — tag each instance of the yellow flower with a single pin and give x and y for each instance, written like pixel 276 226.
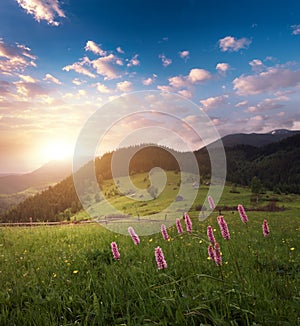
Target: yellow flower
pixel 200 241
pixel 54 274
pixel 75 272
pixel 292 248
pixel 150 240
pixel 169 239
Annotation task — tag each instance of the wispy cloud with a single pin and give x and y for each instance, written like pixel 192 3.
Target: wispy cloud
pixel 150 80
pixel 185 55
pixel 43 10
pixel 49 77
pixel 271 80
pixel 214 102
pixel 103 88
pixel 120 50
pixel 15 58
pixel 268 104
pixel 95 48
pixel 295 29
pixel 256 64
pixel 134 61
pixel 232 44
pixel 124 86
pixel 165 61
pixel 222 67
pixel 79 67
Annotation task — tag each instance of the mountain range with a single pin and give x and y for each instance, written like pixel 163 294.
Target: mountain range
pixel 275 163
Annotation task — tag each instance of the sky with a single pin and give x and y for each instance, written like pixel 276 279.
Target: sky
pixel 61 61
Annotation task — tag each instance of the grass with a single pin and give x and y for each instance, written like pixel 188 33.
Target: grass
pixel 65 275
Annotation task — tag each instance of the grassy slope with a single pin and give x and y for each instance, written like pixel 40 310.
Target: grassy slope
pixel 66 275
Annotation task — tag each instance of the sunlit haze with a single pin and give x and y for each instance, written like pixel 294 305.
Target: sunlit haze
pixel 61 61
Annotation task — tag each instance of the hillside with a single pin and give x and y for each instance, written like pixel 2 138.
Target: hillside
pixel 51 172
pixel 277 166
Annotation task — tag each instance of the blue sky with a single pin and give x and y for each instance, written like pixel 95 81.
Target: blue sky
pixel 60 61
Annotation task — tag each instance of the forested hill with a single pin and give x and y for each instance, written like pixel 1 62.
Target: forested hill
pixel 276 165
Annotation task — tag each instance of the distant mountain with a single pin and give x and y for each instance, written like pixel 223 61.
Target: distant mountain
pixel 258 140
pixel 51 172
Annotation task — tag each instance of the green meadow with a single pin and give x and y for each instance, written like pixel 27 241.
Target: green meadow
pixel 66 275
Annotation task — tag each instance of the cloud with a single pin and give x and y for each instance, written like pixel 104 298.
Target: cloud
pixel 134 61
pixel 95 48
pixel 185 93
pixel 256 65
pixel 178 81
pixel 270 80
pixel 15 58
pixel 222 67
pixel 214 102
pixel 165 88
pixel 104 66
pixel 78 67
pixel 197 75
pixel 150 80
pixel 296 29
pixel 52 79
pixel 119 49
pixel 185 55
pixel 103 88
pixel 28 79
pixel 232 44
pixel 242 103
pixel 268 104
pixel 165 61
pixel 77 82
pixel 124 86
pixel 30 90
pixel 43 10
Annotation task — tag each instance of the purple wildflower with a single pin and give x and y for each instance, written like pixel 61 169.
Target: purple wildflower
pixel 242 213
pixel 164 232
pixel 179 226
pixel 211 252
pixel 224 228
pixel 265 228
pixel 210 234
pixel 115 251
pixel 217 256
pixel 133 235
pixel 188 223
pixel 211 202
pixel 160 259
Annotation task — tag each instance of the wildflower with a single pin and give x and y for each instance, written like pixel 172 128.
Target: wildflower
pixel 210 235
pixel 75 271
pixel 188 222
pixel 115 250
pixel 164 232
pixel 211 202
pixel 224 228
pixel 292 249
pixel 242 213
pixel 179 226
pixel 160 259
pixel 133 235
pixel 211 252
pixel 265 228
pixel 217 256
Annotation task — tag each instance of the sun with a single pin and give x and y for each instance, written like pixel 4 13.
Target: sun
pixel 57 151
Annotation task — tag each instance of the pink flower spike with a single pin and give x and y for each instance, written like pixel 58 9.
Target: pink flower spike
pixel 188 223
pixel 265 228
pixel 210 234
pixel 179 226
pixel 211 252
pixel 164 232
pixel 115 251
pixel 218 257
pixel 224 228
pixel 160 259
pixel 242 213
pixel 133 235
pixel 211 202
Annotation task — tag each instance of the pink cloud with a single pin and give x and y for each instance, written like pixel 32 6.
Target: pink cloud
pixel 214 102
pixel 95 48
pixel 165 61
pixel 270 80
pixel 79 67
pixel 222 67
pixel 197 75
pixel 184 54
pixel 134 61
pixel 43 10
pixel 52 79
pixel 231 44
pixel 124 86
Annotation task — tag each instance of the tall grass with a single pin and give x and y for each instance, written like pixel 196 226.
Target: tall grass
pixel 68 275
